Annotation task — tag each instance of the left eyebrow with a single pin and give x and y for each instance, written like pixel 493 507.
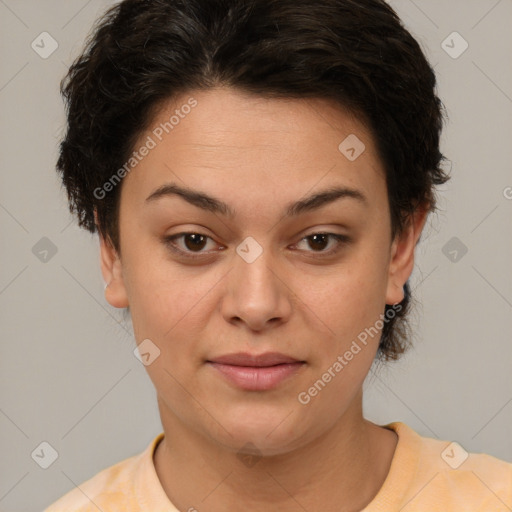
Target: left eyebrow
pixel 214 205
pixel 323 198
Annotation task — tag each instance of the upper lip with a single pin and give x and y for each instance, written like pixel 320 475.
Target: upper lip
pixel 257 360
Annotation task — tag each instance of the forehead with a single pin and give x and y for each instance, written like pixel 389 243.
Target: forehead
pixel 233 144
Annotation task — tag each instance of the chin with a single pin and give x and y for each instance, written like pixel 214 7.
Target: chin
pixel 270 430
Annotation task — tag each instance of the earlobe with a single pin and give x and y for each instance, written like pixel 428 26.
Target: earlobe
pixel 111 269
pixel 402 256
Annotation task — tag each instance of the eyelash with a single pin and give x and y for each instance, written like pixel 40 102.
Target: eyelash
pixel 169 241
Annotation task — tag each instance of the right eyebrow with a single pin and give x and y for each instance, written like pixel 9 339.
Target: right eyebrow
pixel 196 198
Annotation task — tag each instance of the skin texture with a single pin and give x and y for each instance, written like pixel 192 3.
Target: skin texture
pixel 259 155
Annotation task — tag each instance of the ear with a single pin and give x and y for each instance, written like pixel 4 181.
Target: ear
pixel 111 269
pixel 402 255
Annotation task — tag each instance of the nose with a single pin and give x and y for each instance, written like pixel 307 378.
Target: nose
pixel 256 295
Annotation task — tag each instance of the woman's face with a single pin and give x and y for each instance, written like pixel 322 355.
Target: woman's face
pixel 276 264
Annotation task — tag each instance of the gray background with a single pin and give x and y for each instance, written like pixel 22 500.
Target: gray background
pixel 67 371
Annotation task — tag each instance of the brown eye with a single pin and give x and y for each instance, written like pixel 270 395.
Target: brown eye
pixel 324 243
pixel 189 245
pixel 319 241
pixel 194 241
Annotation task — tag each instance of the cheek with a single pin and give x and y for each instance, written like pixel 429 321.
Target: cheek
pixel 348 299
pixel 169 304
pixel 161 307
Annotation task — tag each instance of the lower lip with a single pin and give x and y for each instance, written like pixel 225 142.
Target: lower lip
pixel 252 378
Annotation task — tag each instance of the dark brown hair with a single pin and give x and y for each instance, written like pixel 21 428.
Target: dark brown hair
pixel 354 52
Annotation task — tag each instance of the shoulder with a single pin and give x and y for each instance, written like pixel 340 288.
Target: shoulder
pixel 445 475
pixel 111 489
pixel 108 486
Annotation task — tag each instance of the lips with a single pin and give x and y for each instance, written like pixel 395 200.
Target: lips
pixel 256 372
pixel 243 359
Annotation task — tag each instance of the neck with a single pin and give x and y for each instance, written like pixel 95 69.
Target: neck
pixel 342 469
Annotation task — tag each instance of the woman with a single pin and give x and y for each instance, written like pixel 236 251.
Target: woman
pixel 259 173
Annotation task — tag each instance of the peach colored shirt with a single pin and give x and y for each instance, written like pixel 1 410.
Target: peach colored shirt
pixel 426 475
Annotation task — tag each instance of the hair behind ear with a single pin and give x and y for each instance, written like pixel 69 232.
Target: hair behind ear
pixel 395 338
